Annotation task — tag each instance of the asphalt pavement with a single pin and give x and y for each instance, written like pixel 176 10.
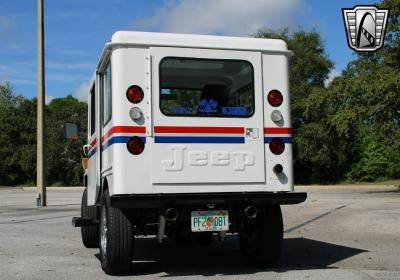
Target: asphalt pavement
pixel 340 232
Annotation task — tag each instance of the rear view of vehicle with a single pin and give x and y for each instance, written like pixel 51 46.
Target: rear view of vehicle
pixel 189 138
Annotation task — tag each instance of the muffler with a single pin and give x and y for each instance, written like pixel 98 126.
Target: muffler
pixel 171 214
pixel 251 212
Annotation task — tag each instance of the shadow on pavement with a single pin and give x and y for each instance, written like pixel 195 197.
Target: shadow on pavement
pixel 225 258
pixel 303 253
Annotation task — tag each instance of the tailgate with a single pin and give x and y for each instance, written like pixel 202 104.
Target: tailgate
pixel 207 116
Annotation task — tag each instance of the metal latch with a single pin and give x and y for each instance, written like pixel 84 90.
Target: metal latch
pixel 252 133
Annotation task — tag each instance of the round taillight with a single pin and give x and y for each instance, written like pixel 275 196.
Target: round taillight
pixel 275 98
pixel 277 146
pixel 135 94
pixel 135 145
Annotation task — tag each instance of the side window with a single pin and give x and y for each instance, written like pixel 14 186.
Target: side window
pixel 107 95
pixel 92 110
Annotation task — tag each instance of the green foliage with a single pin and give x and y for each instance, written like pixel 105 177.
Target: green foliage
pixel 18 139
pixel 309 68
pixel 63 156
pixel 374 162
pixel 349 129
pixel 367 107
pixel 7 95
pixel 391 51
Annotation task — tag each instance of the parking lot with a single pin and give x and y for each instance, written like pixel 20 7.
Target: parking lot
pixel 340 232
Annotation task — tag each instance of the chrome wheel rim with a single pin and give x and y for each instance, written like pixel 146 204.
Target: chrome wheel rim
pixel 103 232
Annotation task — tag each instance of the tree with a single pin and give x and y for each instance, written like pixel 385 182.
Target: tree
pixel 309 68
pixel 350 129
pixel 63 156
pixel 17 137
pixel 367 106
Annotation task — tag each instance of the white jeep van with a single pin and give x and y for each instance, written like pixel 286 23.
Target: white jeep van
pixel 189 137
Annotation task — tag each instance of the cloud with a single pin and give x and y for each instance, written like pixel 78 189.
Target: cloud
pixel 332 75
pixel 6 27
pixel 81 93
pixel 71 15
pixel 240 17
pixel 63 78
pixel 62 50
pixel 70 66
pixel 66 15
pixel 48 98
pixel 23 81
pixel 17 75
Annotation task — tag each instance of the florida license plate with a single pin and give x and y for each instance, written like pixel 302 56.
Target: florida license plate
pixel 217 220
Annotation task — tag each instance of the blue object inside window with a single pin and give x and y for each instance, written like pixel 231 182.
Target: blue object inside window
pixel 206 87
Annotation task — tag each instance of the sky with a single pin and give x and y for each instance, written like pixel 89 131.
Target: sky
pixel 76 31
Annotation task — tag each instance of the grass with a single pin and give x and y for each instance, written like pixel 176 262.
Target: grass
pixel 9 187
pixel 395 182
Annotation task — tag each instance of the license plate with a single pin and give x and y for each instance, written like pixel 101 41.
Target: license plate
pixel 210 220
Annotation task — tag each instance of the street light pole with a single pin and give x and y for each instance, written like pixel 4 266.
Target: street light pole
pixel 40 162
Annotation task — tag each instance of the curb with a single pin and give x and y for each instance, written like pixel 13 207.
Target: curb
pixel 55 188
pixel 346 187
pixel 296 188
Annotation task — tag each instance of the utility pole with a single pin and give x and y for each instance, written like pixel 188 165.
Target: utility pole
pixel 40 161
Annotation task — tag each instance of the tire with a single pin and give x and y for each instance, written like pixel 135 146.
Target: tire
pixel 261 239
pixel 89 234
pixel 116 239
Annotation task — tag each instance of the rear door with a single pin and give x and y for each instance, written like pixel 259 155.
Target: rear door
pixel 207 116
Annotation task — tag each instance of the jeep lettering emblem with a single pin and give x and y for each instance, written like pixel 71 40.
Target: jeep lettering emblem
pixel 239 159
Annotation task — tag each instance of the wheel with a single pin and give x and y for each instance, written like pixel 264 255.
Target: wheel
pixel 116 239
pixel 261 238
pixel 90 234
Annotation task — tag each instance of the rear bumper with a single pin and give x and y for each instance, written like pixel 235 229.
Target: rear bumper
pixel 136 201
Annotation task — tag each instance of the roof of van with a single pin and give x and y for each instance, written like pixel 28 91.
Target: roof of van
pixel 198 41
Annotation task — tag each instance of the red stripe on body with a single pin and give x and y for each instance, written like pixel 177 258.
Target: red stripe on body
pixel 277 130
pixel 189 129
pixel 198 129
pixel 93 143
pixel 123 129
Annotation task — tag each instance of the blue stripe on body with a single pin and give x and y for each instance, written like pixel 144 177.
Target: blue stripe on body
pixel 92 152
pixel 286 140
pixel 199 140
pixel 173 139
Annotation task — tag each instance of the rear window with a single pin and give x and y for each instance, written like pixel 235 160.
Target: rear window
pixel 206 87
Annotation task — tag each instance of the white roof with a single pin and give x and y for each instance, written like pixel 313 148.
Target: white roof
pixel 198 41
pixel 155 39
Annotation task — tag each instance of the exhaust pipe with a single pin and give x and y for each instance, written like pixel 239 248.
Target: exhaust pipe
pixel 251 212
pixel 171 214
pixel 161 229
